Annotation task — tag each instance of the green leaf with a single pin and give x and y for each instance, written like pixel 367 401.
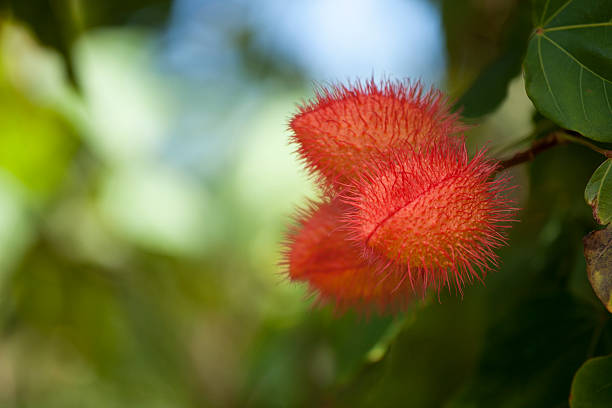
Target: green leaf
pixel 568 66
pixel 531 355
pixel 592 386
pixel 427 361
pixel 293 367
pixel 491 87
pixel 598 193
pixel 598 255
pixel 59 23
pixel 35 141
pixel 119 328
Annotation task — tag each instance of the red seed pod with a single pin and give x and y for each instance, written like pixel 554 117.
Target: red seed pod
pixel 434 214
pixel 344 125
pixel 318 252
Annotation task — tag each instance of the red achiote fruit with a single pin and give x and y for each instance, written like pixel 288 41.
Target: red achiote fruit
pixel 319 253
pixel 432 213
pixel 344 125
pixel 406 207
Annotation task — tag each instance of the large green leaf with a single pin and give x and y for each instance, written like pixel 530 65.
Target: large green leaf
pixel 426 363
pixel 490 88
pixel 598 193
pixel 592 386
pixel 568 66
pixel 293 367
pixel 598 254
pixel 531 354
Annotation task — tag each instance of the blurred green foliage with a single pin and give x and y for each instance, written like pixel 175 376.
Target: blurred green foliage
pixel 130 276
pixel 592 385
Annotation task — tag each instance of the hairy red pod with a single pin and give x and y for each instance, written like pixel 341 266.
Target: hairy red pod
pixel 318 252
pixel 344 125
pixel 433 213
pixel 407 208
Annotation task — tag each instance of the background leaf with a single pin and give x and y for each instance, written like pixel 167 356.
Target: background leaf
pixel 59 23
pixel 598 193
pixel 490 88
pixel 293 365
pixel 592 386
pixel 598 254
pixel 427 362
pixel 568 66
pixel 34 140
pixel 537 356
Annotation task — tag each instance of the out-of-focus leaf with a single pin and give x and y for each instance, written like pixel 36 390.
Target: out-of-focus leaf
pixel 598 254
pixel 473 32
pixel 531 355
pixel 598 193
pixel 58 23
pixel 159 209
pixel 491 87
pixel 109 321
pixel 568 68
pixel 553 195
pixel 592 386
pixel 37 145
pixel 426 363
pixel 292 368
pixel 115 65
pixel 52 25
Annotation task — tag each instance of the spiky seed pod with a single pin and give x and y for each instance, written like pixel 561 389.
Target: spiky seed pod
pixel 434 214
pixel 318 252
pixel 343 125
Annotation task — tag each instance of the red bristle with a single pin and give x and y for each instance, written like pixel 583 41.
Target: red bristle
pixel 431 210
pixel 344 125
pixel 319 253
pixel 406 208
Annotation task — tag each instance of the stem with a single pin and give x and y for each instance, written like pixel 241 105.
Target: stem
pixel 542 127
pixel 553 139
pixel 576 137
pixel 536 148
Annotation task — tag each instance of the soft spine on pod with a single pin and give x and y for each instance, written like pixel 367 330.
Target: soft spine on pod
pixel 404 209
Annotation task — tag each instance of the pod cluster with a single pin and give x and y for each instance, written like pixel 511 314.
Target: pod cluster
pixel 404 208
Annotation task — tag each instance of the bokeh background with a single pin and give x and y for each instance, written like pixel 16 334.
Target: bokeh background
pixel 146 182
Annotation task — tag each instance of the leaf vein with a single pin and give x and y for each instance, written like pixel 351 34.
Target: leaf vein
pixel 606 95
pixel 581 94
pixel 544 12
pixel 574 58
pixel 546 76
pixel 556 13
pixel 575 26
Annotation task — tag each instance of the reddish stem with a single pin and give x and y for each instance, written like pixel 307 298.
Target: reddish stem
pixel 551 140
pixel 536 148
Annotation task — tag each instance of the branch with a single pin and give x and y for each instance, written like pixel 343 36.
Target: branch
pixel 576 137
pixel 553 139
pixel 536 148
